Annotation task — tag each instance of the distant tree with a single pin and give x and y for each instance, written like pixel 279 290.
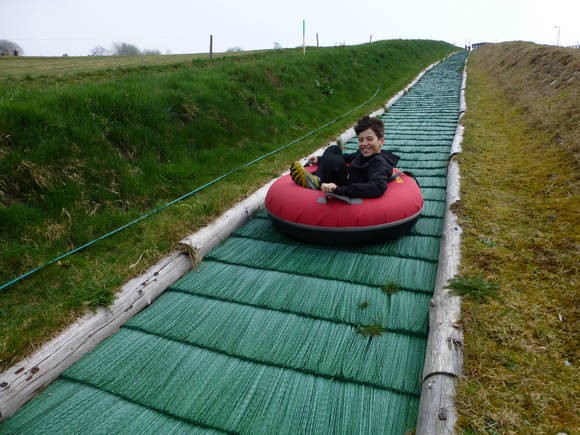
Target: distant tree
pixel 277 46
pixel 99 50
pixel 151 51
pixel 124 49
pixel 8 48
pixel 234 49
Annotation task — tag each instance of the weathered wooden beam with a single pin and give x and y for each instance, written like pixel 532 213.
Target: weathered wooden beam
pixel 22 381
pixel 440 419
pixel 444 355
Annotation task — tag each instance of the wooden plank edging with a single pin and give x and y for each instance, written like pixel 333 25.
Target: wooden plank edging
pixel 23 381
pixel 444 355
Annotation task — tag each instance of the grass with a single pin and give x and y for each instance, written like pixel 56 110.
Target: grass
pixel 363 305
pixel 390 288
pixel 519 213
pixel 85 151
pixel 29 67
pixel 474 287
pixel 373 330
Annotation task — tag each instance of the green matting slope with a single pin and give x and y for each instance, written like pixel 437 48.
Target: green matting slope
pixel 269 335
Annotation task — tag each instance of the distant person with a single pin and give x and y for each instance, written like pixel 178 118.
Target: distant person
pixel 363 174
pixel 15 52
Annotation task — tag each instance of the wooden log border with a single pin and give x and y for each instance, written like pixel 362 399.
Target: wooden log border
pixel 444 355
pixel 23 381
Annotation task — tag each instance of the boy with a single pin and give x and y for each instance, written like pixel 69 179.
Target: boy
pixel 368 170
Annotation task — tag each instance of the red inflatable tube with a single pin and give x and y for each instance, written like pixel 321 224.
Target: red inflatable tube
pixel 313 216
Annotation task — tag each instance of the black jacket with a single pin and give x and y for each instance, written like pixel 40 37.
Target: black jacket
pixel 368 176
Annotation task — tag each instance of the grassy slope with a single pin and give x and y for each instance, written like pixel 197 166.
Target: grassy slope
pixel 83 153
pixel 519 212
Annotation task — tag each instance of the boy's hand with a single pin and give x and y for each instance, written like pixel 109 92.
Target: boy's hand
pixel 328 187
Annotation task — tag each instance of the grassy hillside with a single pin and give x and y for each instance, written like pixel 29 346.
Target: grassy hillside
pixel 83 152
pixel 519 212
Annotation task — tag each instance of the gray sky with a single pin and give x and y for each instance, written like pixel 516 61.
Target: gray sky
pixel 75 27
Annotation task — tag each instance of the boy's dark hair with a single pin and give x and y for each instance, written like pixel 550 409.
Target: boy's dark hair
pixel 375 124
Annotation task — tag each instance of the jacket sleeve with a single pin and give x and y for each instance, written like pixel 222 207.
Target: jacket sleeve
pixel 380 170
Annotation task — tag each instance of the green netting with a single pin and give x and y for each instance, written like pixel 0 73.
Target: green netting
pixel 409 161
pixel 288 340
pixel 439 133
pixel 424 248
pixel 429 172
pixel 368 269
pixel 73 408
pixel 441 118
pixel 267 335
pixel 411 140
pixel 418 126
pixel 413 165
pixel 216 390
pixel 429 152
pixel 432 182
pixel 434 208
pixel 337 301
pixel 433 193
pixel 435 115
pixel 428 226
pixel 399 148
pixel 413 107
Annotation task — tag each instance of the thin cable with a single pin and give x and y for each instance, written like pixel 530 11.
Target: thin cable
pixel 198 189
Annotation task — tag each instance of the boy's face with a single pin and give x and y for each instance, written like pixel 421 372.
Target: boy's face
pixel 369 143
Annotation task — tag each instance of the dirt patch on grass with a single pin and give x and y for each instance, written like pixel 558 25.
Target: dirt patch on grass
pixel 520 209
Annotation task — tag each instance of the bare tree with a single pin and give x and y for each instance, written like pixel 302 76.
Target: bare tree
pixel 124 49
pixel 99 50
pixel 8 48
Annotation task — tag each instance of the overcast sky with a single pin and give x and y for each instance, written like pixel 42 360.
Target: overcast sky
pixel 75 27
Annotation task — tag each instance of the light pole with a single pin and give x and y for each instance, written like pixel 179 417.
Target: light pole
pixel 558 40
